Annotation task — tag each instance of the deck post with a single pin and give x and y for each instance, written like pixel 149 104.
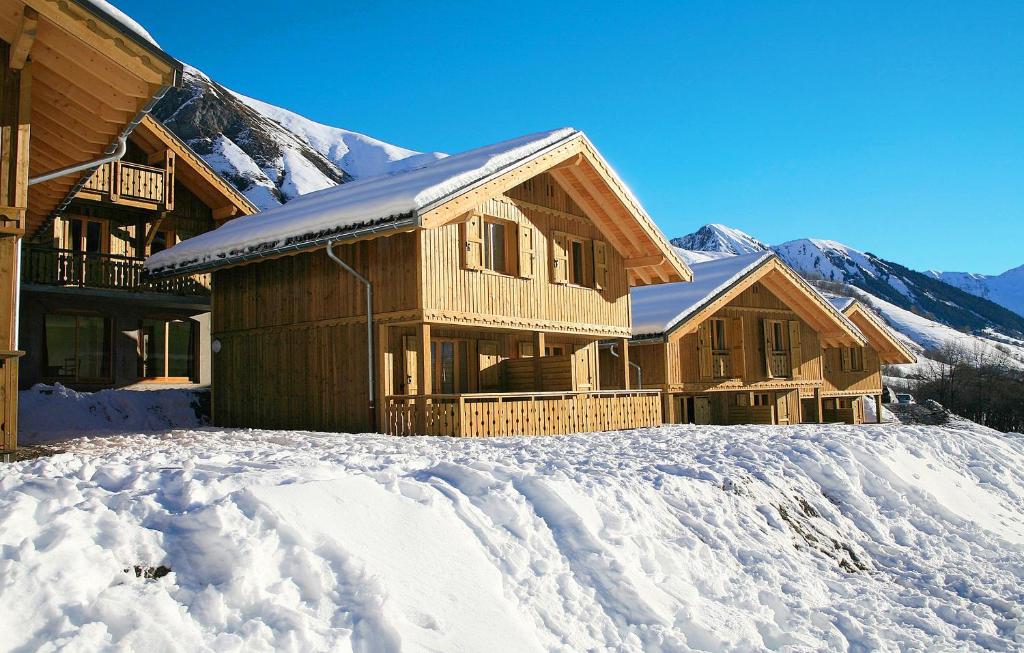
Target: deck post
pixel 423 380
pixel 821 405
pixel 624 361
pixel 538 352
pixel 878 409
pixel 385 372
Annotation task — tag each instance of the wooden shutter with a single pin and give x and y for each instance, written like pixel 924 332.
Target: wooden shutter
pixel 847 359
pixel 473 242
pixel 527 251
pixel 766 332
pixel 796 357
pixel 559 257
pixel 739 364
pixel 704 351
pixel 600 264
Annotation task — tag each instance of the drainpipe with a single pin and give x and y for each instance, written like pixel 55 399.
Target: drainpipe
pixel 369 328
pixel 639 372
pixel 119 150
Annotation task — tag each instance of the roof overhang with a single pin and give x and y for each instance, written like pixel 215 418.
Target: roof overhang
pixel 592 184
pixel 833 328
pixel 880 337
pixel 90 79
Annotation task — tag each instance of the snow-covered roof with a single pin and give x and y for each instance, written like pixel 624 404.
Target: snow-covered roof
pixel 841 303
pixel 122 20
pixel 375 203
pixel 656 309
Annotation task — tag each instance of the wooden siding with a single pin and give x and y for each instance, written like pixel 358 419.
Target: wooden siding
pixel 753 306
pixel 453 293
pixel 864 382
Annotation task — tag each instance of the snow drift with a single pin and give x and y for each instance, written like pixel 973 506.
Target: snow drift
pixel 683 538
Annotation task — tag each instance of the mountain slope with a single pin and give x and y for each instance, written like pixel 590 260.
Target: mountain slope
pixel 720 238
pixel 1006 289
pixel 927 311
pixel 271 154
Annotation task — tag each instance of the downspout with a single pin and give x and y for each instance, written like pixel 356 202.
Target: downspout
pixel 369 328
pixel 120 148
pixel 639 372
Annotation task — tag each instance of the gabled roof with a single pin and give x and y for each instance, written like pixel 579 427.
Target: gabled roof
pixel 437 193
pixel 891 351
pixel 190 168
pixel 676 309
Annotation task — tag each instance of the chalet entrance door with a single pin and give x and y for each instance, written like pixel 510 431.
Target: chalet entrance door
pixel 782 415
pixel 702 410
pixel 451 365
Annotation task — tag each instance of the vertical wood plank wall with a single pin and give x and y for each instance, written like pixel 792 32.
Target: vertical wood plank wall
pixel 450 289
pixel 867 381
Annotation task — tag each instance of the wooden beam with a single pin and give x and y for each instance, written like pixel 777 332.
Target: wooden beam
pixel 538 352
pixel 225 212
pixel 623 345
pixel 25 39
pixel 572 161
pixel 151 234
pixel 423 369
pixel 644 261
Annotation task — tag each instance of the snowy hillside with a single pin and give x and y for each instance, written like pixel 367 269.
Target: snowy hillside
pixel 271 154
pixel 685 538
pixel 1006 289
pixel 927 311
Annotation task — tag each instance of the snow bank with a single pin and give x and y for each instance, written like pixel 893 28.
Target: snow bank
pixel 682 538
pixel 53 412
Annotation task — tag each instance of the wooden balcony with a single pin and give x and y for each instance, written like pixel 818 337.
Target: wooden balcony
pixel 506 414
pixel 133 184
pixel 779 366
pixel 64 267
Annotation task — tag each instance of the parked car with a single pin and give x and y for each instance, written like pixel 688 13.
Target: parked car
pixel 905 398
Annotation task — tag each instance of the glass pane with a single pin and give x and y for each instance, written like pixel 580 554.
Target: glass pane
pixel 93 237
pixel 463 368
pixel 447 367
pixel 153 335
pixel 495 246
pixel 60 346
pixel 159 243
pixel 76 235
pixel 180 351
pixel 93 348
pixel 577 262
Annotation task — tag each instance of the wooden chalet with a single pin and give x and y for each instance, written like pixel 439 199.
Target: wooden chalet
pixel 89 318
pixel 851 373
pixel 742 344
pixel 75 80
pixel 490 277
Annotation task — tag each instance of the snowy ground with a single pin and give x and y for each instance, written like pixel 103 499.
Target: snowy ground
pixel 712 538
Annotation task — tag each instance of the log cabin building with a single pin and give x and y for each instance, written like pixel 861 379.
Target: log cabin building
pixel 75 80
pixel 742 344
pixel 466 297
pixel 852 373
pixel 89 319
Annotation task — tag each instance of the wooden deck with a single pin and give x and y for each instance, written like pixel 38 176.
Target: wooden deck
pixel 65 267
pixel 538 413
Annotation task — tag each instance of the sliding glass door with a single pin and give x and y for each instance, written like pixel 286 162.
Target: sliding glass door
pixel 167 350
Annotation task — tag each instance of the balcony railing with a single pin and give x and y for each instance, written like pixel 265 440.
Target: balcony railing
pixel 121 182
pixel 779 365
pixel 65 267
pixel 538 413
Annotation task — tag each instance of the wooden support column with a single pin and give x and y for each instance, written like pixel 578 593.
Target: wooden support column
pixel 623 347
pixel 821 405
pixel 878 408
pixel 424 382
pixel 668 403
pixel 538 352
pixel 385 376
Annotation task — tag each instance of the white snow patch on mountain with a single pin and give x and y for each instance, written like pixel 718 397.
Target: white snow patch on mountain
pixel 1006 289
pixel 720 238
pixel 684 538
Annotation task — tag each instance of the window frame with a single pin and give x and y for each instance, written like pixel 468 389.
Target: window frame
pixel 77 378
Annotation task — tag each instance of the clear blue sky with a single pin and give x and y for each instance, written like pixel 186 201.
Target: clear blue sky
pixel 896 127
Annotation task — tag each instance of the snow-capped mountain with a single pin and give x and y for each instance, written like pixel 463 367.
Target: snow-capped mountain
pixel 928 311
pixel 271 154
pixel 1006 289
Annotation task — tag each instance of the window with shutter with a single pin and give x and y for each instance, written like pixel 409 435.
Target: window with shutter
pixel 738 362
pixel 796 356
pixel 473 242
pixel 527 251
pixel 847 363
pixel 704 358
pixel 767 332
pixel 600 264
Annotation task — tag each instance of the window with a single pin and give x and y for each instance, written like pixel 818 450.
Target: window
pixel 554 350
pixel 576 262
pixel 78 348
pixel 719 341
pixel 84 235
pixel 760 399
pixel 450 365
pixel 162 239
pixel 167 349
pixel 494 246
pixel 777 337
pixel 856 359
